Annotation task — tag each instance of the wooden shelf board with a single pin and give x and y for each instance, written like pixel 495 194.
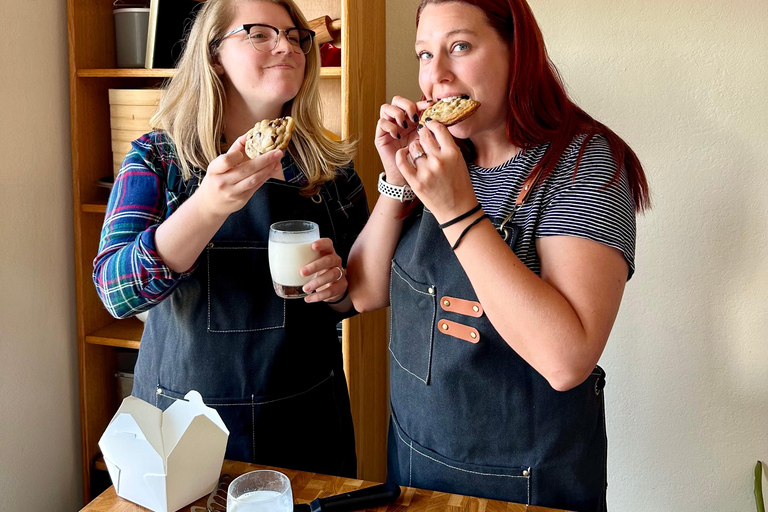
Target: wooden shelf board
pixel 124 73
pixel 94 208
pixel 326 72
pixel 120 333
pixel 99 463
pixel 330 72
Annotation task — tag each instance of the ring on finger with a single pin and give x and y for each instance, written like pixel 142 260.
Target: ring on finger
pixel 419 155
pixel 341 274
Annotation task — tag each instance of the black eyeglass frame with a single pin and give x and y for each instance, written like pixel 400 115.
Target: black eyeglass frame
pixel 248 26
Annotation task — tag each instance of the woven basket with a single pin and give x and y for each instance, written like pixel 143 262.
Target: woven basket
pixel 129 113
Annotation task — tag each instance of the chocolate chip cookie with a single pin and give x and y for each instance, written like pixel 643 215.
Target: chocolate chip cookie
pixel 269 134
pixel 450 111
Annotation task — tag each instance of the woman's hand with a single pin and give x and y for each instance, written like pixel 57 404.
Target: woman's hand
pixel 232 178
pixel 395 129
pixel 331 281
pixel 437 172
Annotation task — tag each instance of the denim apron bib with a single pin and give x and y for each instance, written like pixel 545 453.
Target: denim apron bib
pixel 469 415
pixel 272 368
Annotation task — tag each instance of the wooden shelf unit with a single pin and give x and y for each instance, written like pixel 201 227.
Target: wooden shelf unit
pixel 330 72
pixel 351 93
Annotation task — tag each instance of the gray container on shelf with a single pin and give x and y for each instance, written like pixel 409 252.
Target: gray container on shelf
pixel 131 27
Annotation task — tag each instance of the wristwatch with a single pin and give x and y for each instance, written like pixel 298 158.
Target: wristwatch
pixel 404 193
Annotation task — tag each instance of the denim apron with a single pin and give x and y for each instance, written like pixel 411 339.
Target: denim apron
pixel 469 415
pixel 272 368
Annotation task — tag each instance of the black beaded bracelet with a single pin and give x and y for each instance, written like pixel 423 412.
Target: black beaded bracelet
pixel 346 294
pixel 474 223
pixel 460 217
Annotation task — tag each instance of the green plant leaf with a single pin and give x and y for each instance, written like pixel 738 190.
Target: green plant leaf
pixel 759 487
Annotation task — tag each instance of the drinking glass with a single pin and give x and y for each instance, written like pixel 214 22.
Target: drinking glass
pixel 260 491
pixel 290 248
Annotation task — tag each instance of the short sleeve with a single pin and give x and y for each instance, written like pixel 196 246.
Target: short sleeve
pixel 593 204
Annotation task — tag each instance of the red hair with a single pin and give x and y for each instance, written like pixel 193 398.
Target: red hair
pixel 540 110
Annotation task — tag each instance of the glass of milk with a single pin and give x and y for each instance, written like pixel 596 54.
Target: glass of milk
pixel 290 248
pixel 260 491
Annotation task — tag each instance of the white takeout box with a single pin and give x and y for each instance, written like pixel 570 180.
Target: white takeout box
pixel 164 460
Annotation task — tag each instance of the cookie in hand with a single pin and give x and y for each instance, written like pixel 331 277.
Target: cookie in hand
pixel 450 111
pixel 269 134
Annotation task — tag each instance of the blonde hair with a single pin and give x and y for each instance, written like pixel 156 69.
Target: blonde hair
pixel 195 120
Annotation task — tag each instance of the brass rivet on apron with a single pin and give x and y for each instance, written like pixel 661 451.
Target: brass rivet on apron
pixel 445 327
pixel 210 245
pixel 446 303
pixel 431 290
pixel 526 472
pixel 473 335
pixel 159 391
pixel 475 309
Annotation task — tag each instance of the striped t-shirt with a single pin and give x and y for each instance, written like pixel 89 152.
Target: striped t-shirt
pixel 590 205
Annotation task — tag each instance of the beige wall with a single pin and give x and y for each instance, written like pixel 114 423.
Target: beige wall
pixel 685 83
pixel 39 423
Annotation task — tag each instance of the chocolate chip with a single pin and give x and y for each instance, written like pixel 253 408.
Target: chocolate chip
pixel 465 96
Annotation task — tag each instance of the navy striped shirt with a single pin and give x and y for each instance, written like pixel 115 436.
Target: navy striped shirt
pixel 589 205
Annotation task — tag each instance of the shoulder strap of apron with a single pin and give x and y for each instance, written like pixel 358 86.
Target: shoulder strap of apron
pixel 522 197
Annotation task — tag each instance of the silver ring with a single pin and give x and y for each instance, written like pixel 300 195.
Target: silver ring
pixel 418 155
pixel 341 274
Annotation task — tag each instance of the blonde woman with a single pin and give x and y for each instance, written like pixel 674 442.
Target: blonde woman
pixel 185 236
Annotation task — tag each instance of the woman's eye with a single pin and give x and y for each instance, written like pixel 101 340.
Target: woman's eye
pixel 460 47
pixel 423 55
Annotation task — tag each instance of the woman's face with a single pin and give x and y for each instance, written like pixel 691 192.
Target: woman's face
pixel 460 53
pixel 271 77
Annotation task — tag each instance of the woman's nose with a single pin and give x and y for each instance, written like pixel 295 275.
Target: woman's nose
pixel 283 45
pixel 440 71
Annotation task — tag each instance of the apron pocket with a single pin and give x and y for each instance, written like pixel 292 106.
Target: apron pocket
pixel 430 470
pixel 237 415
pixel 414 309
pixel 240 293
pixel 310 430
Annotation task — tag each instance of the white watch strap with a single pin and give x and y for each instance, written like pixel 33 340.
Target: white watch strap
pixel 404 193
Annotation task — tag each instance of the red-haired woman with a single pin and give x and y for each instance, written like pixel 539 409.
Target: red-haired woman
pixel 506 279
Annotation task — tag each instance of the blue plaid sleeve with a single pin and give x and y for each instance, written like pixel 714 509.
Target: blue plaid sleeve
pixel 129 275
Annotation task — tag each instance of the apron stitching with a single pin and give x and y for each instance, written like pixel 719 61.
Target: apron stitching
pixel 253 428
pixel 431 330
pixel 410 443
pixel 409 284
pixel 255 330
pixel 330 218
pixel 400 365
pixel 264 402
pixel 208 261
pixel 529 488
pixel 410 465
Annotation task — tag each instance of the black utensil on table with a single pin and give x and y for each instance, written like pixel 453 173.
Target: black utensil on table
pixel 370 497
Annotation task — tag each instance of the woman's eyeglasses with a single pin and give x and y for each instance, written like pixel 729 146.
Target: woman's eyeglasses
pixel 264 38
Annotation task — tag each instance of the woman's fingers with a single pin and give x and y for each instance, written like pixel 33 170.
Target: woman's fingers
pixel 440 134
pixel 234 156
pixel 404 165
pixel 389 127
pixel 427 139
pixel 258 164
pixel 328 276
pixel 410 111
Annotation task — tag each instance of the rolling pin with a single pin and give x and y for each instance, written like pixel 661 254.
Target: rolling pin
pixel 326 29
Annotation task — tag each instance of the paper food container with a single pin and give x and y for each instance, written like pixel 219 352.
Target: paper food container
pixel 164 460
